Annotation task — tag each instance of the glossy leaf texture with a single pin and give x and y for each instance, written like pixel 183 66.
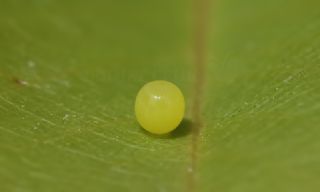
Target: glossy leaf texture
pixel 70 71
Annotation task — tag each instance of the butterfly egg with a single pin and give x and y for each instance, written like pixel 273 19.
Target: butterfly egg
pixel 159 107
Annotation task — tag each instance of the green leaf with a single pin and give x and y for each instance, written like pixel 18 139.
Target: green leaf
pixel 70 70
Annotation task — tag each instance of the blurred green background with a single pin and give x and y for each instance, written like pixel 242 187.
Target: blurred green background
pixel 70 70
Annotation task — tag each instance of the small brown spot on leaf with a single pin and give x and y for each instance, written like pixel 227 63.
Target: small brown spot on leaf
pixel 19 81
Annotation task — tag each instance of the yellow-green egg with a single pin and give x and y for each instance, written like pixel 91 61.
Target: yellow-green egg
pixel 159 106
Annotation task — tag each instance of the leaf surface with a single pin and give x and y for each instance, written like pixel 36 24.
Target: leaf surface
pixel 70 70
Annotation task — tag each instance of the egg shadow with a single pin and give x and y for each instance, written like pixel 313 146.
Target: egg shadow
pixel 184 129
